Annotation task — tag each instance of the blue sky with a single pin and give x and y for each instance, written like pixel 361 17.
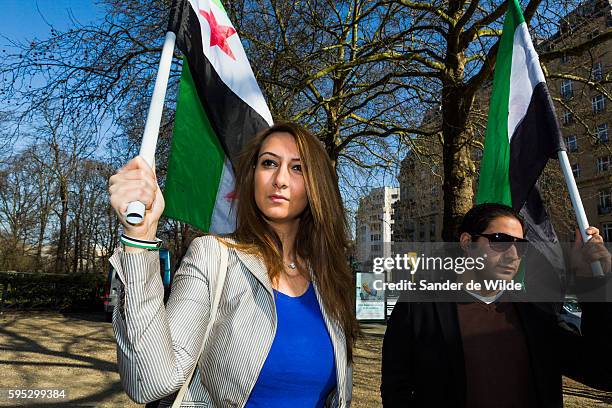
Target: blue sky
pixel 28 19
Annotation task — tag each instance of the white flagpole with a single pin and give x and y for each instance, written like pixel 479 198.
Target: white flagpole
pixel 581 217
pixel 135 211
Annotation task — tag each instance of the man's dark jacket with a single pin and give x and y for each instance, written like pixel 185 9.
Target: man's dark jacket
pixel 422 358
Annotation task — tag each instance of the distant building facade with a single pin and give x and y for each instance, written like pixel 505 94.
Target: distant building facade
pixel 373 225
pixel 585 113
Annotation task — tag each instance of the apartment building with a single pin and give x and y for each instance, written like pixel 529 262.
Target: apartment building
pixel 373 225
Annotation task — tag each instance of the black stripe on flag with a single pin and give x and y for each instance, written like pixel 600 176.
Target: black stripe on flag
pixel 536 139
pixel 232 119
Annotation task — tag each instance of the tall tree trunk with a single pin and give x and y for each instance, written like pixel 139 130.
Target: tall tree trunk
pixel 459 169
pixel 78 237
pixel 60 261
pixel 41 238
pixel 77 245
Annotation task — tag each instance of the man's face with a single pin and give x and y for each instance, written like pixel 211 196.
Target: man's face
pixel 497 265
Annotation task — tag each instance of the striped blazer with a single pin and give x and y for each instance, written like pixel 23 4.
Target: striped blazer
pixel 157 345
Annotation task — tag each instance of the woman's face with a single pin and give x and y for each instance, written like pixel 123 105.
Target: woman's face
pixel 280 193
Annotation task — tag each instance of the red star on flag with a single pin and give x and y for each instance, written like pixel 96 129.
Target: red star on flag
pixel 219 34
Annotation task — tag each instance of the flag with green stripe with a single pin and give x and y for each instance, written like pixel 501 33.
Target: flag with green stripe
pixel 522 132
pixel 219 108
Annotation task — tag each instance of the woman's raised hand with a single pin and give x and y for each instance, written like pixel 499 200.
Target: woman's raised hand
pixel 136 181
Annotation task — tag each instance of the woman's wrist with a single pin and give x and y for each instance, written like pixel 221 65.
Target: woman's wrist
pixel 151 245
pixel 131 249
pixel 149 235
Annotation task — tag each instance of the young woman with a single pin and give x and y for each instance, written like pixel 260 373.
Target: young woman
pixel 285 325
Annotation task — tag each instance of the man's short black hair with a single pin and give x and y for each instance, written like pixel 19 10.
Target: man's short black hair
pixel 480 216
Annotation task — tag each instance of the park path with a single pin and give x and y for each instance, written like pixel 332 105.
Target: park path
pixel 76 352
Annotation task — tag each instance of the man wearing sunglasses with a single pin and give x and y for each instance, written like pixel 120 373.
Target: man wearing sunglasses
pixel 486 352
pixel 497 237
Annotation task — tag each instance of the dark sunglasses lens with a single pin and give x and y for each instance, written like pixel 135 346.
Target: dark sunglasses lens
pixel 502 242
pixel 500 246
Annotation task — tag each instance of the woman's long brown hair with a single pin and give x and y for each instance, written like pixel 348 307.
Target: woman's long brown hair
pixel 322 236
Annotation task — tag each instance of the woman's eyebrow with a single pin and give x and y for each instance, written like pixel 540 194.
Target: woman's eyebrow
pixel 277 156
pixel 270 153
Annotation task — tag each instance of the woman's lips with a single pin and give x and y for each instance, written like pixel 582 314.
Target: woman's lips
pixel 278 198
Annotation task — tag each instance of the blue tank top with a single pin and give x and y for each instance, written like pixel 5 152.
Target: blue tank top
pixel 300 369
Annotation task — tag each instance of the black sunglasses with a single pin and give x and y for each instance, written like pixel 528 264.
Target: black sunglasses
pixel 500 242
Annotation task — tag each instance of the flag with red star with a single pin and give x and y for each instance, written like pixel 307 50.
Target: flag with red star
pixel 219 108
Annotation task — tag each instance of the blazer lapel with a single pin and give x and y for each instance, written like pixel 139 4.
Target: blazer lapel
pixel 256 266
pixel 339 343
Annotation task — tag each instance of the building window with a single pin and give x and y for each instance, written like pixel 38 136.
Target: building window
pixel 572 143
pixel 393 196
pixel 565 58
pixel 375 248
pixel 603 164
pixel 602 132
pixel 567 88
pixel 593 34
pixel 598 102
pixel 568 118
pixel 375 237
pixel 597 72
pixel 605 201
pixel 607 231
pixel 586 9
pixel 576 170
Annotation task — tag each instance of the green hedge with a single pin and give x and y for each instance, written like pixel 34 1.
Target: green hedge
pixel 79 292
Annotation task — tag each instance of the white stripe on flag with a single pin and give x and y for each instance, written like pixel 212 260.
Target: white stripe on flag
pixel 222 222
pixel 525 74
pixel 237 75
